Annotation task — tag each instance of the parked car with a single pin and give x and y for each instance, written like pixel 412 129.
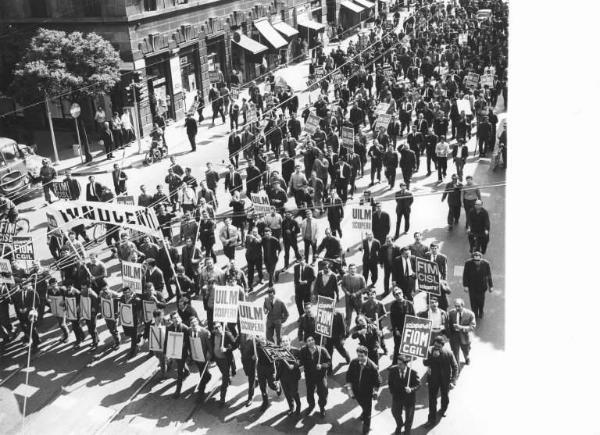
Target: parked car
pixel 19 167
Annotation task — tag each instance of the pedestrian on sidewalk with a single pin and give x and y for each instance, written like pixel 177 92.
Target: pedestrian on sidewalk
pixel 47 176
pixel 119 180
pixel 217 104
pixel 191 128
pixel 106 136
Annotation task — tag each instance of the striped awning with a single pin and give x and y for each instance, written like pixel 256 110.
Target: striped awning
pixel 365 3
pixel 352 6
pixel 251 45
pixel 270 34
pixel 285 29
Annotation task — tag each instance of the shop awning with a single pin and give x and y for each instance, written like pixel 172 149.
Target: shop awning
pixel 312 25
pixel 250 44
pixel 352 6
pixel 365 3
pixel 270 34
pixel 285 29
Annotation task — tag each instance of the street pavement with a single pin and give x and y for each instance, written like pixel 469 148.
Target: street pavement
pixel 80 392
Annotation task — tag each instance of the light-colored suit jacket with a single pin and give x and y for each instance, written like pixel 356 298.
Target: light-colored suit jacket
pixel 467 318
pixel 313 229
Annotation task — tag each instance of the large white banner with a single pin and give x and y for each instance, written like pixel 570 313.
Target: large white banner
pixel 226 304
pixel 71 213
pixel 252 318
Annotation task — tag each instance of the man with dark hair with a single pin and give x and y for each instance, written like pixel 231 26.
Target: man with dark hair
pixel 403 272
pixel 315 360
pixel 454 193
pixel 403 383
pixel 182 372
pixel 443 371
pixel 477 278
pixel 304 276
pixel 362 384
pixel 478 227
pixel 404 200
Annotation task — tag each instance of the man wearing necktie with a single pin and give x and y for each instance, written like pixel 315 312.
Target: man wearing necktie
pixel 229 239
pixel 403 383
pixel 362 384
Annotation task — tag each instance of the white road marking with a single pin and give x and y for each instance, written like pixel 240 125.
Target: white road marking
pixel 25 390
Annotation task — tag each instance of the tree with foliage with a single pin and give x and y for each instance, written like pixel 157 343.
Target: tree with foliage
pixel 57 63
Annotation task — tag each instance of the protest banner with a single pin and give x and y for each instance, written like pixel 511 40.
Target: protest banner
pixel 383 120
pixel 86 307
pixel 23 248
pixel 464 106
pixel 71 306
pixel 415 336
pixel 487 80
pixel 196 349
pixel 57 307
pixel 131 273
pixel 125 200
pixel 312 122
pixel 252 319
pixel 235 92
pixel 275 353
pixel 382 108
pixel 7 231
pixel 388 73
pixel 156 337
pixel 126 315
pixel 107 308
pixel 319 72
pixel 226 304
pixel 261 203
pixel 428 276
pixel 72 213
pixel 362 217
pixel 471 80
pixel 348 138
pixel 174 345
pixel 324 319
pixel 61 189
pixel 148 310
pixel 6 274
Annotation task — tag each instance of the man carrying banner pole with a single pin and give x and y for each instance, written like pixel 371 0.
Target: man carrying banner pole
pixel 316 361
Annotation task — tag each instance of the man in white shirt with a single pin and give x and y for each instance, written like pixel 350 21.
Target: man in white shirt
pixel 437 316
pixel 229 238
pixel 442 151
pixel 273 221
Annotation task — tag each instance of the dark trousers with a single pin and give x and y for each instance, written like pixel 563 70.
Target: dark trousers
pixel 252 265
pixel 373 269
pixel 399 215
pixel 223 364
pixel 484 144
pixel 249 367
pixel 308 244
pixel 409 409
pixel 407 176
pixel 331 343
pixel 111 325
pixel 301 298
pixel 468 204
pixel 182 372
pixel 453 214
pixel 387 272
pixel 477 299
pixel 79 334
pixel 229 251
pixel 270 271
pixel 366 404
pixel 391 176
pixel 290 390
pixel 375 169
pixel 265 379
pixel 287 244
pixel 456 345
pixel 320 385
pixel 442 167
pixel 62 324
pixel 352 184
pixel 397 340
pixel 204 379
pixel 208 249
pixel 341 188
pixel 478 242
pixel 192 139
pixel 436 386
pixel 431 158
pixel 335 228
pixel 26 326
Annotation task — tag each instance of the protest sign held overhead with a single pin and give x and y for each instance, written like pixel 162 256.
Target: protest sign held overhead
pixel 252 318
pixel 428 276
pixel 382 108
pixel 261 203
pixel 275 353
pixel 156 338
pixel 61 189
pixel 415 336
pixel 383 120
pixel 362 217
pixel 132 276
pixel 226 304
pixel 72 213
pixel 312 122
pixel 7 231
pixel 324 320
pixel 23 248
pixel 348 138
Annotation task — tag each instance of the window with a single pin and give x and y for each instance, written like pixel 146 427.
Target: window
pixel 150 5
pixel 38 8
pixel 9 153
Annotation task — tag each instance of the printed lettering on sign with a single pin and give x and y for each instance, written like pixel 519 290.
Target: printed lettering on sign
pixel 126 315
pixel 196 349
pixel 107 308
pixel 56 305
pixel 86 307
pixel 7 231
pixel 324 320
pixel 131 274
pixel 261 203
pixel 415 336
pixel 362 217
pixel 157 338
pixel 71 306
pixel 23 248
pixel 174 345
pixel 428 276
pixel 226 304
pixel 149 307
pixel 252 319
pixel 312 122
pixel 6 275
pixel 348 138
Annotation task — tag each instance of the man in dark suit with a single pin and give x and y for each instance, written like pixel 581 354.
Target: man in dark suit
pixel 404 200
pixel 119 179
pixel 387 254
pixel 380 224
pixel 191 128
pixel 390 161
pixel 441 260
pixel 182 373
pixel 403 382
pixel 371 249
pixel 304 276
pixel 408 160
pixel 294 127
pixel 414 142
pixel 399 309
pixel 271 249
pixel 403 272
pixel 477 278
pixel 315 360
pixel 253 177
pixel 461 324
pixel 93 190
pixel 233 180
pixel 154 275
pixel 357 117
pixel 454 193
pixel 478 227
pixel 362 384
pixel 443 372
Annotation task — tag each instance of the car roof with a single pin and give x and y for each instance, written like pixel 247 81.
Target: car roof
pixel 6 141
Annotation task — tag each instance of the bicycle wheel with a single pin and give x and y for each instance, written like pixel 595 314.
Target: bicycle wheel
pixel 22 225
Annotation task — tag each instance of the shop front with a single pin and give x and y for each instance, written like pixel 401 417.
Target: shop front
pixel 290 53
pixel 310 29
pixel 351 15
pixel 159 85
pixel 247 56
pixel 270 37
pixel 191 79
pixel 369 13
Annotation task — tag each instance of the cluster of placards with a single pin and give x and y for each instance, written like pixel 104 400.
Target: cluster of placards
pixel 471 80
pixel 348 138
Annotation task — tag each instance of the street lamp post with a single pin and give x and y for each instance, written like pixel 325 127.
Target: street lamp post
pixel 56 159
pixel 75 112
